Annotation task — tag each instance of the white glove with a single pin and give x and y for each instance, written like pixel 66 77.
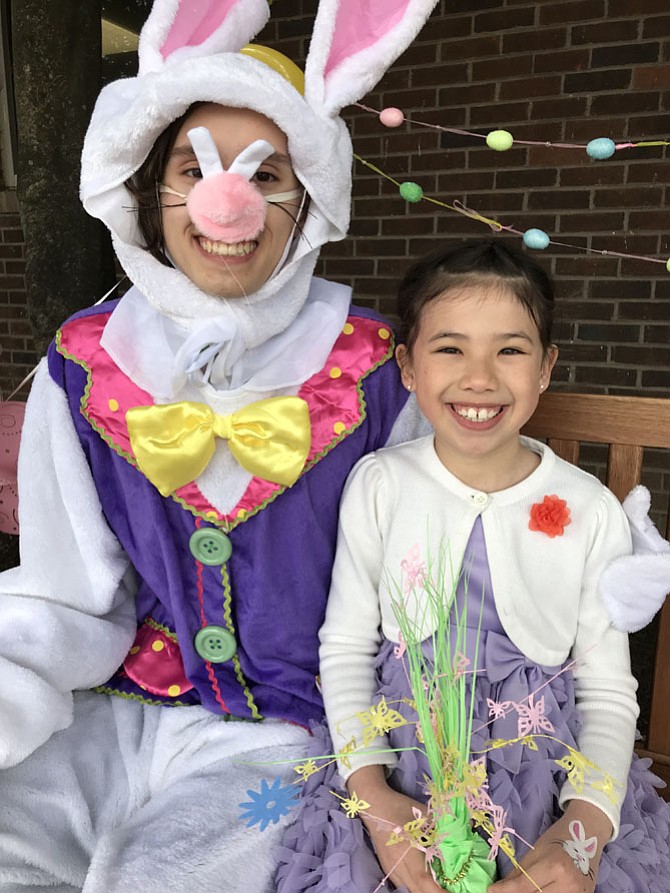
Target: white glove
pixel 634 587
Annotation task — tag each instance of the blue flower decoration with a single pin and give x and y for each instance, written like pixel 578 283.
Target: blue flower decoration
pixel 269 804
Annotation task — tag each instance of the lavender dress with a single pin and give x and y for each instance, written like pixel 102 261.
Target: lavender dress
pixel 325 851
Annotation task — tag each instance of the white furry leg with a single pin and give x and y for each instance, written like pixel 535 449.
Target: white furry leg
pixel 55 803
pixel 191 837
pixel 190 833
pixel 142 798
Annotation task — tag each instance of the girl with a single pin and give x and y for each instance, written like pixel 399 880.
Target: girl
pixel 183 456
pixel 530 532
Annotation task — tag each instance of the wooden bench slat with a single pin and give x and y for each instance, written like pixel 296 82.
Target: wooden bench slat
pixel 626 425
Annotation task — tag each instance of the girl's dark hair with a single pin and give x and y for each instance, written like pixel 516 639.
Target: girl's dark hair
pixel 144 183
pixel 478 262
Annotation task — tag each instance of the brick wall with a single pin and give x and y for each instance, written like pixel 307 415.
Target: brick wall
pixel 17 352
pixel 557 71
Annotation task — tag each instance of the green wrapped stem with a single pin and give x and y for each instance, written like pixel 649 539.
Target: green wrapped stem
pixel 463 866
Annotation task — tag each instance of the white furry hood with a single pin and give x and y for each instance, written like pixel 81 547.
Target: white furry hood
pixel 189 52
pixel 132 113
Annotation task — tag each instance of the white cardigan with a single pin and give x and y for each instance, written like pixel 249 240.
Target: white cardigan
pixel 545 589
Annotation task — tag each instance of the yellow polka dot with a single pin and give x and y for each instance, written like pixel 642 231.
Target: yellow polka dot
pixel 384 334
pixel 335 372
pixel 113 404
pixel 135 649
pixel 242 513
pixel 348 328
pixel 157 645
pixel 339 427
pixel 211 516
pixel 174 690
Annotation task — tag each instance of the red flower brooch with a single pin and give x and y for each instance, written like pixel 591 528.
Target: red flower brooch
pixel 551 516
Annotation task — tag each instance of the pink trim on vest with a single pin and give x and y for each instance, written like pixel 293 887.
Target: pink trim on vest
pixel 336 406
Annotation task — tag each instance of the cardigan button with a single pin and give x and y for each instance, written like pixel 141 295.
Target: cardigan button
pixel 210 546
pixel 480 498
pixel 215 644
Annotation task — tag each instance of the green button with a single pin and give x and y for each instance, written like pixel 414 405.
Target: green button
pixel 215 644
pixel 210 546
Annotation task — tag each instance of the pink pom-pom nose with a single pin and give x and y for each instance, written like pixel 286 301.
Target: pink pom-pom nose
pixel 227 208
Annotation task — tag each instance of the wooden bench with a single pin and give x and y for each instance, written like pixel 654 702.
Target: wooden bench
pixel 626 425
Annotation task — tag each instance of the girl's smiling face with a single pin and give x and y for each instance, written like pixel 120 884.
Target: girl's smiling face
pixel 478 367
pixel 217 268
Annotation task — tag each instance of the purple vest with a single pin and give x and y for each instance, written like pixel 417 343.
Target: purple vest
pixel 229 607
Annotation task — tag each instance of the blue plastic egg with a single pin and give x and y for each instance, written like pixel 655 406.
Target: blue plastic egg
pixel 536 238
pixel 601 148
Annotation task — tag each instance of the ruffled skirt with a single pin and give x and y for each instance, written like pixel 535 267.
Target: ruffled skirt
pixel 323 850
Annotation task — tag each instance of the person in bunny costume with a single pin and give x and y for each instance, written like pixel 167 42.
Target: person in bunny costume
pixel 183 456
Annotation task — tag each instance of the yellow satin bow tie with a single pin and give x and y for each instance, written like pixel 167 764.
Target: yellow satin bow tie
pixel 173 443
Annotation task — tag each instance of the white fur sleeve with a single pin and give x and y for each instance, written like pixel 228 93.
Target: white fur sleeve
pixel 67 612
pixel 604 686
pixel 635 586
pixel 350 635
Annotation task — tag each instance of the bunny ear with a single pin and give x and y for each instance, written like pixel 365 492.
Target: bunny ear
pixel 577 831
pixel 353 44
pixel 178 29
pixel 591 847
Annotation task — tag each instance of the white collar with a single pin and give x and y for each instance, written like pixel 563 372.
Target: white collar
pixel 156 351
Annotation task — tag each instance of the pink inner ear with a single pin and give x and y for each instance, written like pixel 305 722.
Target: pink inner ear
pixel 196 20
pixel 577 830
pixel 361 24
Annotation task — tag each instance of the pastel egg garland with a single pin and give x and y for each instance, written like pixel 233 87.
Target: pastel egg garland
pixel 391 117
pixel 536 239
pixel 599 149
pixel 411 192
pixel 499 140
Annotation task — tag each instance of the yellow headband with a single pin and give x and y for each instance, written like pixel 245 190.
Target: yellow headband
pixel 279 62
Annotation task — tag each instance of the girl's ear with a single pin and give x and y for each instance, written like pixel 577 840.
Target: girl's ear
pixel 353 43
pixel 404 361
pixel 179 29
pixel 548 364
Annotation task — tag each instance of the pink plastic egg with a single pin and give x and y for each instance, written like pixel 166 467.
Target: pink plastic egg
pixel 391 117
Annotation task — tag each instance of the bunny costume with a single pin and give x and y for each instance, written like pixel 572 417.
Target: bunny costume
pixel 207 600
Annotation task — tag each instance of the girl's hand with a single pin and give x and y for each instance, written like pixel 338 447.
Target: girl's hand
pixel 554 869
pixel 403 864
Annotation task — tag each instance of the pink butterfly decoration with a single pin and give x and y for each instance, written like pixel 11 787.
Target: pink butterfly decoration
pixel 499 818
pixel 400 649
pixel 531 718
pixel 461 663
pixel 414 570
pixel 498 709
